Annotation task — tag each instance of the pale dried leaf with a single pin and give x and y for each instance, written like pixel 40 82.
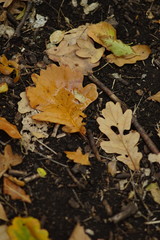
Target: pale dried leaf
pixel 155 191
pixel 56 37
pixel 112 167
pixel 3 215
pixel 23 104
pixel 3 233
pixel 15 191
pixel 78 157
pixel 154 157
pixel 155 97
pixel 124 145
pixel 79 233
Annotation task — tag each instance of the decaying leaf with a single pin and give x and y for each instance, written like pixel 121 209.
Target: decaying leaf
pixel 155 97
pixel 27 228
pixel 9 66
pixel 3 233
pixel 9 128
pixel 3 215
pixel 78 157
pixel 79 233
pixel 15 191
pixel 123 144
pixel 155 191
pixel 8 159
pixel 54 97
pixel 141 52
pixel 101 29
pixel 154 157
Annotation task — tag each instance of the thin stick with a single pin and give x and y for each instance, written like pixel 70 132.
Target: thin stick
pixel 80 185
pixel 50 149
pixel 135 122
pixel 93 145
pixel 20 25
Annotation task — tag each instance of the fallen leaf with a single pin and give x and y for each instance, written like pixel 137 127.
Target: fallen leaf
pixel 79 233
pixel 54 97
pixel 155 97
pixel 141 52
pixel 6 2
pixel 87 50
pixel 56 37
pixel 15 191
pixel 155 191
pixel 78 157
pixel 101 29
pixel 3 87
pixel 154 157
pixel 3 233
pixel 9 66
pixel 27 228
pixel 123 144
pixel 8 159
pixel 3 215
pixel 112 167
pixel 9 128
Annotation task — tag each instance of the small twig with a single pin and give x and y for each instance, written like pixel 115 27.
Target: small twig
pixel 152 222
pixel 130 209
pixel 17 173
pixel 80 185
pixel 139 128
pixel 31 178
pixel 20 25
pixel 93 146
pixel 50 149
pixel 77 198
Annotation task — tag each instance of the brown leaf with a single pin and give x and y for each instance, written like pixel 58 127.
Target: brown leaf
pixel 78 157
pixel 155 97
pixel 124 145
pixel 15 191
pixel 79 233
pixel 8 159
pixel 9 128
pixel 60 97
pixel 141 52
pixel 3 232
pixel 3 215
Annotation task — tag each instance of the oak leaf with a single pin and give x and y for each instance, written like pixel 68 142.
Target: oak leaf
pixel 3 233
pixel 9 66
pixel 79 233
pixel 78 157
pixel 155 97
pixel 60 97
pixel 9 128
pixel 123 144
pixel 15 191
pixel 140 52
pixel 8 159
pixel 27 228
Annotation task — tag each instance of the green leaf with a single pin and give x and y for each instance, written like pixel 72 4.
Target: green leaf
pixel 117 47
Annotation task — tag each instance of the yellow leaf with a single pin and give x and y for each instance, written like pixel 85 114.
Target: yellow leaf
pixel 8 159
pixel 141 52
pixel 54 97
pixel 78 157
pixel 27 228
pixel 9 128
pixel 42 173
pixel 124 145
pixel 15 191
pixel 155 191
pixel 79 233
pixel 155 97
pixel 3 87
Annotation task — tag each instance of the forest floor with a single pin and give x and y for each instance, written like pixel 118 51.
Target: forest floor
pixel 89 194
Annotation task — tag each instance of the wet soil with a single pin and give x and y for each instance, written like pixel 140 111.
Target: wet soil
pixel 58 201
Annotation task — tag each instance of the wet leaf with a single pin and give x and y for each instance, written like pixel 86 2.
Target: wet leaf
pixel 8 159
pixel 15 191
pixel 9 66
pixel 79 233
pixel 3 215
pixel 9 128
pixel 54 97
pixel 155 191
pixel 123 144
pixel 78 157
pixel 141 52
pixel 155 97
pixel 27 229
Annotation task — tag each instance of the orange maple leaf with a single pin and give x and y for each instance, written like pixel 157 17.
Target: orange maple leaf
pixel 9 128
pixel 60 97
pixel 78 157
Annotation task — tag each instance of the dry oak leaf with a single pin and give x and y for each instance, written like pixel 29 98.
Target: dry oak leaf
pixel 124 145
pixel 79 233
pixel 28 228
pixel 60 97
pixel 141 52
pixel 9 66
pixel 155 97
pixel 101 29
pixel 78 156
pixel 8 159
pixel 15 191
pixel 9 128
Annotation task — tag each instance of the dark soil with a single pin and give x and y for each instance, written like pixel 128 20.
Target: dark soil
pixel 57 200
